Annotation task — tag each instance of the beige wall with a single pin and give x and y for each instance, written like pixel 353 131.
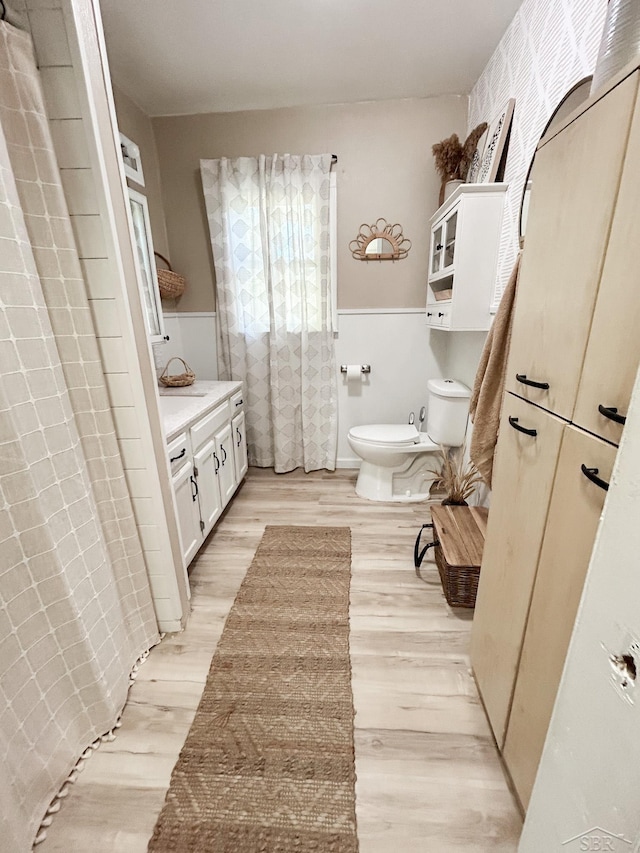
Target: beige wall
pixel 385 168
pixel 135 124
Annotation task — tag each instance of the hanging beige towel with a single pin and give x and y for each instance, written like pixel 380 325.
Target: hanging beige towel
pixel 488 388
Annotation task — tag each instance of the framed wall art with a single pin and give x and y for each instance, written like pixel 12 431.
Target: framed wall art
pixel 496 138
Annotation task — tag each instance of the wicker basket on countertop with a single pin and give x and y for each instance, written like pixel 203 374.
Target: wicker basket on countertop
pixel 171 284
pixel 179 380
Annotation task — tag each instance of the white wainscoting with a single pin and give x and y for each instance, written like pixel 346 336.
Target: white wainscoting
pixel 192 335
pixel 403 353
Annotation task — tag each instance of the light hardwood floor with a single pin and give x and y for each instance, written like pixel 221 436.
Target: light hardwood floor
pixel 429 779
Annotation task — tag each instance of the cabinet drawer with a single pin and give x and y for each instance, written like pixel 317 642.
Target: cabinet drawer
pixel 439 314
pixel 178 452
pixel 206 427
pixel 523 478
pixel 574 512
pixel 237 402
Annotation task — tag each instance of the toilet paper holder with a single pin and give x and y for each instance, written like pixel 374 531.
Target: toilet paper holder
pixel 364 368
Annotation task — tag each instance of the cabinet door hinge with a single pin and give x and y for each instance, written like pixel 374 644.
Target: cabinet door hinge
pixel 202 525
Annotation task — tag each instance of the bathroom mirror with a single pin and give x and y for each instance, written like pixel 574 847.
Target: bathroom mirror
pixel 574 97
pixel 380 242
pixel 380 246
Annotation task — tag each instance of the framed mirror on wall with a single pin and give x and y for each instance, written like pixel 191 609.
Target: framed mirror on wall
pixel 380 241
pixel 571 100
pixel 148 278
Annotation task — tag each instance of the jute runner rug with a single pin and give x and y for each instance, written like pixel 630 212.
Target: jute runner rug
pixel 268 765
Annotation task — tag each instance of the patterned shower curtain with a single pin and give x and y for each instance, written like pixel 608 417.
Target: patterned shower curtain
pixel 269 226
pixel 75 606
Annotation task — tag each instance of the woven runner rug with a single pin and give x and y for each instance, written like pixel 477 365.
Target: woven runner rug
pixel 268 764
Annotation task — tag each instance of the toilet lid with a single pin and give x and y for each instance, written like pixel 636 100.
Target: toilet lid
pixel 399 434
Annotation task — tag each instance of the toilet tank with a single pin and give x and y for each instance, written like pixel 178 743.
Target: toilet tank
pixel 447 411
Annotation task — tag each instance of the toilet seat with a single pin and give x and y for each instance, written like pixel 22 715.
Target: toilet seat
pixel 396 435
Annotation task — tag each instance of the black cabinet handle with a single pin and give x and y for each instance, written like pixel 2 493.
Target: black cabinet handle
pixel 592 474
pixel 429 313
pixel 179 456
pixel 217 463
pixel 612 413
pixel 239 437
pixel 194 494
pixel 514 423
pixel 239 402
pixel 438 247
pixel 522 377
pixel 440 313
pixel 224 457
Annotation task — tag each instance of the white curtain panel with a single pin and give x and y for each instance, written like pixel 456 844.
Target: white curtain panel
pixel 269 225
pixel 75 605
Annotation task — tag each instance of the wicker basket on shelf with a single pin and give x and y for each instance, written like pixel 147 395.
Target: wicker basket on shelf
pixel 178 380
pixel 171 284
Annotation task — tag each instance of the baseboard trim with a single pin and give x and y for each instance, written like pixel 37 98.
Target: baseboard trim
pixel 188 315
pixel 352 311
pixel 348 462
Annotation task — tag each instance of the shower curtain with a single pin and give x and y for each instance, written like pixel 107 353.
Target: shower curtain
pixel 269 225
pixel 75 606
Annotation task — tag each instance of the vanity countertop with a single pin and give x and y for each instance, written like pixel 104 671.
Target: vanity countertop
pixel 179 407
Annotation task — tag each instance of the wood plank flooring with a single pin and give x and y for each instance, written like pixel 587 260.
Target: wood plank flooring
pixel 429 779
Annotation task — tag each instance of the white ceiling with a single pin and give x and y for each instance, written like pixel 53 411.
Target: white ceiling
pixel 192 56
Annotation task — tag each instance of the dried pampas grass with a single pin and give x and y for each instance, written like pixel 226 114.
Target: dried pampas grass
pixel 458 477
pixel 453 158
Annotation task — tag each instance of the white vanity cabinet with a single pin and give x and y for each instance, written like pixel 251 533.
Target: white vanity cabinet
pixel 185 489
pixel 206 467
pixel 226 470
pixel 463 258
pixel 239 437
pixel 208 461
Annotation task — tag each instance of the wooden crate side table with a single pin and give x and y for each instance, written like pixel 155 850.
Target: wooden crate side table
pixel 459 532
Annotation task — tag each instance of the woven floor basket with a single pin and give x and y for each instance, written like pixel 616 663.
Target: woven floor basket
pixel 179 380
pixel 171 284
pixel 460 583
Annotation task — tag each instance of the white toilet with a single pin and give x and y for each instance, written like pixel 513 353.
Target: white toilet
pixel 398 462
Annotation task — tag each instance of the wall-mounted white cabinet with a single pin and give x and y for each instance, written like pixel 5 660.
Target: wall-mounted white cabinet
pixel 463 258
pixel 208 461
pixel 147 276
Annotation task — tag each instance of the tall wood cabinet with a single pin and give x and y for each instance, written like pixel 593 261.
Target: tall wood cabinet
pixel 573 358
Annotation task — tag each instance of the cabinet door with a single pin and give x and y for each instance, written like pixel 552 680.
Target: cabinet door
pixel 148 278
pixel 613 352
pixel 574 511
pixel 575 184
pixel 186 493
pixel 522 481
pixel 207 467
pixel 239 436
pixel 437 248
pixel 451 227
pixel 226 472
